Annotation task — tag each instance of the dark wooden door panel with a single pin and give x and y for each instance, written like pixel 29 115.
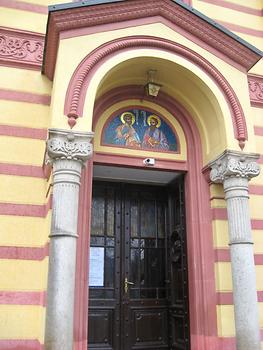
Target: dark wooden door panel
pixel 140 302
pixel 101 328
pixel 145 321
pixel 179 323
pixel 178 300
pixel 104 291
pixel 149 328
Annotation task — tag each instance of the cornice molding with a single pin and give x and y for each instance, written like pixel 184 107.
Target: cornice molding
pixel 255 85
pixel 186 20
pixel 77 87
pixel 21 49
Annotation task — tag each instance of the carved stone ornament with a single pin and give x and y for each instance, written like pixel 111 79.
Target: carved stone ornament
pixel 255 84
pixel 20 48
pixel 234 164
pixel 63 144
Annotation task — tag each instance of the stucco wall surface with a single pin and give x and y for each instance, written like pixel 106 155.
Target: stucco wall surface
pixel 30 104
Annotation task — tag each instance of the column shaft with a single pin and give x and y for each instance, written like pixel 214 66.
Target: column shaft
pixel 242 264
pixel 61 277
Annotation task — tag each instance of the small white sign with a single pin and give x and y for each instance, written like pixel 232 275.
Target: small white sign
pixel 96 267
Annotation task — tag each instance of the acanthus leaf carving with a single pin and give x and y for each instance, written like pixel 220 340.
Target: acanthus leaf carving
pixel 69 145
pixel 21 48
pixel 233 164
pixel 255 85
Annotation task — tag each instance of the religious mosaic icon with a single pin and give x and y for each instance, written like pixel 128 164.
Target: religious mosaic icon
pixel 140 129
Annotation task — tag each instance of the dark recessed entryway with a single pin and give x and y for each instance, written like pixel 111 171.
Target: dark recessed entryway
pixel 138 295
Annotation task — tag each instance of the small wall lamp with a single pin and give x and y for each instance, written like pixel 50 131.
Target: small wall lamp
pixel 151 88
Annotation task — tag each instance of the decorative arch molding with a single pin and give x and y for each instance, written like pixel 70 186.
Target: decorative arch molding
pixel 78 85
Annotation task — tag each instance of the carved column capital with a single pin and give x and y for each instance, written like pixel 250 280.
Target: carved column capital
pixel 232 164
pixel 64 144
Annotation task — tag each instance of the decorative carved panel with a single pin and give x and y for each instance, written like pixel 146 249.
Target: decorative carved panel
pixel 255 84
pixel 21 49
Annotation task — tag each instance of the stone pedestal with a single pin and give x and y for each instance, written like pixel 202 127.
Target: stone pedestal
pixel 67 151
pixel 234 170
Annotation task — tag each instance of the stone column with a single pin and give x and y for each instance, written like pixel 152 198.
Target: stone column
pixel 234 170
pixel 67 152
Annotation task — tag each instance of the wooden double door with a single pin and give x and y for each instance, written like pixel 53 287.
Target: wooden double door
pixel 138 296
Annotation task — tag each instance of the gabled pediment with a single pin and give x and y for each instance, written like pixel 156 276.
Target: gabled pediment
pixel 184 18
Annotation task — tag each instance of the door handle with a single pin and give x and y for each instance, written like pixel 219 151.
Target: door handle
pixel 126 284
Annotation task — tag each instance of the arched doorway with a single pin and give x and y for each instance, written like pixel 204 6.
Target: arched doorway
pixel 198 101
pixel 138 283
pixel 201 300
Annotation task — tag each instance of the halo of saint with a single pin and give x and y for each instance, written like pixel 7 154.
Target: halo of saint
pixel 125 114
pixel 151 117
pixel 126 135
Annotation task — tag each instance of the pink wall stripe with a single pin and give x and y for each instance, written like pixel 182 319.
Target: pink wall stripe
pixel 25 209
pixel 223 255
pixel 17 131
pixel 188 2
pixel 24 253
pixel 226 298
pixel 260 296
pixel 22 298
pixel 256 189
pixel 258 130
pixel 227 343
pixel 19 96
pixel 257 224
pixel 219 213
pixel 24 6
pixel 230 343
pixel 10 344
pixel 22 170
pixel 236 7
pixel 241 29
pixel 258 259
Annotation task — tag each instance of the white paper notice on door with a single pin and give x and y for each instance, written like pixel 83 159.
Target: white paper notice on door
pixel 96 267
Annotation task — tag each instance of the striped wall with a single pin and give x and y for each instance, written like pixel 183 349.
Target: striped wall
pixel 25 199
pixel 245 18
pixel 24 207
pixel 24 191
